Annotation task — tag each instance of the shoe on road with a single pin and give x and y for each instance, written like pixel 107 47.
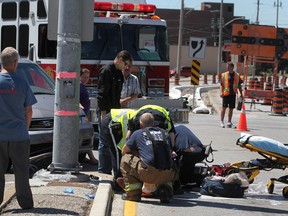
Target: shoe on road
pixel 230 125
pixel 222 125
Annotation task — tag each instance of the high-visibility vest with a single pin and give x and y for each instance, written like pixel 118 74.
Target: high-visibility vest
pixel 160 109
pixel 122 116
pixel 225 83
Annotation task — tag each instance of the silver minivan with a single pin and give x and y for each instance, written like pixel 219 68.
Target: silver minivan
pixel 41 128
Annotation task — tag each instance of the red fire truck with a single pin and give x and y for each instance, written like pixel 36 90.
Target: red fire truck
pixel 117 26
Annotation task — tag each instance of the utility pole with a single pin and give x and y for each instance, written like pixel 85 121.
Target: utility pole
pixel 220 39
pixel 177 75
pixel 66 117
pixel 277 5
pixel 257 16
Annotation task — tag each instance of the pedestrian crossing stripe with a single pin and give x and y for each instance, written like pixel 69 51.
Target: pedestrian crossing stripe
pixel 195 72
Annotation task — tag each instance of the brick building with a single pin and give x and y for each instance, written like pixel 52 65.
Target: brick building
pixel 203 23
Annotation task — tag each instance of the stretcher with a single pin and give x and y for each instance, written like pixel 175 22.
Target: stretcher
pixel 275 156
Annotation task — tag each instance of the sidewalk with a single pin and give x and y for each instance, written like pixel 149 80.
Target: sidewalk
pixel 74 197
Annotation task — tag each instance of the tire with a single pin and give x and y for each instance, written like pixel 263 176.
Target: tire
pixel 285 192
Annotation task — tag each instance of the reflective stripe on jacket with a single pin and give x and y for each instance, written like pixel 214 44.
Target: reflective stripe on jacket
pixel 225 83
pixel 160 109
pixel 122 116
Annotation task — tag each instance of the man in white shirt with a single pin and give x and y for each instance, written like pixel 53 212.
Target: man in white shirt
pixel 130 89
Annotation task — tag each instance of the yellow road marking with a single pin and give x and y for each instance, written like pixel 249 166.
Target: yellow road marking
pixel 129 208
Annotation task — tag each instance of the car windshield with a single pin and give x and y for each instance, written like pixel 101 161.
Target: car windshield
pixel 38 80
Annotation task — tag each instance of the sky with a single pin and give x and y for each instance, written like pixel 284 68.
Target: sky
pixel 247 8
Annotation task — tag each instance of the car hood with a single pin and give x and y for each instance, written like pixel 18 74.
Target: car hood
pixel 44 107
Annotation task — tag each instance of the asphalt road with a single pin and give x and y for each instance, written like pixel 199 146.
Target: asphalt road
pixel 256 200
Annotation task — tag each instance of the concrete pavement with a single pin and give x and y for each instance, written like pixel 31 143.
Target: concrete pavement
pixel 64 194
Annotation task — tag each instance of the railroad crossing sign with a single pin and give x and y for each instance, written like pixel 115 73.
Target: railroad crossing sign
pixel 261 41
pixel 197 47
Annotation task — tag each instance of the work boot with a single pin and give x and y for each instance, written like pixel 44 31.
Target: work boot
pixel 120 182
pixel 135 198
pixel 165 194
pixel 177 188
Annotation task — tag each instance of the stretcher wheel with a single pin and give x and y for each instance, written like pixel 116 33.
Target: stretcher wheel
pixel 270 188
pixel 285 192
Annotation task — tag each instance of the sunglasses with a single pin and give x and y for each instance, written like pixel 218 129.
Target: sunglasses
pixel 127 64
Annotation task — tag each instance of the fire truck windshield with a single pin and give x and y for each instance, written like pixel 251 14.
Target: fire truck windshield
pixel 144 42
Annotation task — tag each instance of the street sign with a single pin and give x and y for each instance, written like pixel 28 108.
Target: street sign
pixel 197 47
pixel 260 41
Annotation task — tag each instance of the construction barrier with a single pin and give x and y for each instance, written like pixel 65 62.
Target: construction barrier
pixel 251 83
pixel 219 78
pixel 262 83
pixel 276 82
pixel 176 80
pixel 277 102
pixel 268 86
pixel 213 78
pixel 285 104
pixel 205 79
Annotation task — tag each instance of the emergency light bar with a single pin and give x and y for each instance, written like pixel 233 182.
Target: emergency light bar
pixel 124 7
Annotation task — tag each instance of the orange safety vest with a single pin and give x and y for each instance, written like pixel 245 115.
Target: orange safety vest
pixel 225 83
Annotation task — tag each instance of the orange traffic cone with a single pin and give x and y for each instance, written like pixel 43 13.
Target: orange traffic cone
pixel 242 124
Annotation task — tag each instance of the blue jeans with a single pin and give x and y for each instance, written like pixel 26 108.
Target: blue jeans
pixel 104 152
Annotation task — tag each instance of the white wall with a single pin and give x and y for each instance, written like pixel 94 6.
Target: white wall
pixel 208 65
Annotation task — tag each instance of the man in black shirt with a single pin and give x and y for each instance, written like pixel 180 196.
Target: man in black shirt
pixel 110 83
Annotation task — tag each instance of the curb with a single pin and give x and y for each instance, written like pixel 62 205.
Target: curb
pixel 102 201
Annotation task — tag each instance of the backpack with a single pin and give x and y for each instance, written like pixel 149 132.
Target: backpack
pixel 216 187
pixel 161 150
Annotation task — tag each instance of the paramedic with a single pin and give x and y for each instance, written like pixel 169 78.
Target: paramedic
pixel 191 150
pixel 114 128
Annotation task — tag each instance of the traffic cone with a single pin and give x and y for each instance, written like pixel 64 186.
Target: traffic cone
pixel 242 124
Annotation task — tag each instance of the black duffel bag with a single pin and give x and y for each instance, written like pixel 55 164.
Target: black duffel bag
pixel 216 187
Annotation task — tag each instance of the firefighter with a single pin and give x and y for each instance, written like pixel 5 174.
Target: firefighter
pixel 147 158
pixel 161 119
